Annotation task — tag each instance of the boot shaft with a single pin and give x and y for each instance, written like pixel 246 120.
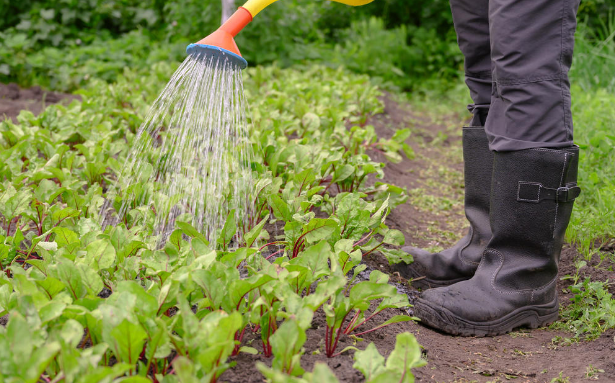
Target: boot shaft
pixel 478 169
pixel 532 196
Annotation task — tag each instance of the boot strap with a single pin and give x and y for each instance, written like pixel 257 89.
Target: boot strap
pixel 535 192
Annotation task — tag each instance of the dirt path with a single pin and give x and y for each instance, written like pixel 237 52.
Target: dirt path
pixel 14 99
pixel 434 218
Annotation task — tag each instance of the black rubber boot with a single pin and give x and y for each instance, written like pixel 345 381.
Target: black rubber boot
pixel 515 285
pixel 459 262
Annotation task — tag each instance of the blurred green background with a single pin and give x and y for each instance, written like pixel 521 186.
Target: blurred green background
pixel 405 44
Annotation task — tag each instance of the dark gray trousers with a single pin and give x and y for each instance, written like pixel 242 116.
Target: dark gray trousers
pixel 517 56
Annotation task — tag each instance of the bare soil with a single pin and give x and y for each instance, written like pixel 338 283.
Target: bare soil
pixel 14 99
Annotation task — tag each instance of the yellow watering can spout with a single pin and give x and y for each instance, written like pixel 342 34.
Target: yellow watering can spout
pixel 255 6
pixel 221 43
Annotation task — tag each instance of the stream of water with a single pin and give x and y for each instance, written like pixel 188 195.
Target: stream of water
pixel 191 157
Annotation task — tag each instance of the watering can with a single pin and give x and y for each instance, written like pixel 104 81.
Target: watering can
pixel 221 43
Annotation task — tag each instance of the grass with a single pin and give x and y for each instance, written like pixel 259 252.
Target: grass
pixel 593 221
pixel 591 311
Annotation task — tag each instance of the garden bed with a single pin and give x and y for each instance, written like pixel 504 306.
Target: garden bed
pixel 433 217
pixel 14 99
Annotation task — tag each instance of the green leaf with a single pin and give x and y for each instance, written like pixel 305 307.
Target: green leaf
pixel 304 179
pixel 398 319
pixel 229 229
pixel 64 236
pixel 101 254
pixel 368 291
pixel 184 369
pixel 401 135
pixel 91 280
pixel 51 286
pixel 176 238
pixel 253 234
pixel 405 356
pixel 135 379
pixel 189 230
pixel 128 340
pixel 248 350
pixel 63 214
pixel 321 374
pixel 369 362
pixel 286 344
pixel 69 274
pixel 396 256
pixel 51 311
pixel 342 173
pixel 239 288
pixel 408 151
pixel 280 208
pixel 394 237
pixel 380 215
pixel 72 332
pixel 378 276
pixel 49 246
pixel 17 204
pixel 398 301
pixel 318 229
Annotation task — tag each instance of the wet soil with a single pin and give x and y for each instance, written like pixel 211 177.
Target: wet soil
pixel 14 99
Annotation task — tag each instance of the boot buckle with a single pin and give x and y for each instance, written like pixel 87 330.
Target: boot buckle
pixel 534 192
pixel 567 193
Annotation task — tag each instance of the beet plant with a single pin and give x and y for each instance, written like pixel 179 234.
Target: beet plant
pixel 359 299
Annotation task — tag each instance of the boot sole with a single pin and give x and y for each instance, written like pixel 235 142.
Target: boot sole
pixel 532 316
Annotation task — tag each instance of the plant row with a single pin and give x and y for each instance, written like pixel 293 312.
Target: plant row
pixel 87 304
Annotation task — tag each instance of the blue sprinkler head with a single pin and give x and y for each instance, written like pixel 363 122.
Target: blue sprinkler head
pixel 204 50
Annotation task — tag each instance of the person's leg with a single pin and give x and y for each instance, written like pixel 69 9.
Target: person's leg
pixel 459 262
pixel 531 49
pixel 534 176
pixel 471 20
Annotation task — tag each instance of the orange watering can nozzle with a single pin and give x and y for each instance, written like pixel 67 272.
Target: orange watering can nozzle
pixel 222 42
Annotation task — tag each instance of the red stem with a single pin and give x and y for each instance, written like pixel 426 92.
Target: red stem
pixel 270 243
pixel 375 247
pixel 337 336
pixel 354 319
pixel 374 329
pixel 363 239
pixel 277 252
pixel 368 318
pixel 238 338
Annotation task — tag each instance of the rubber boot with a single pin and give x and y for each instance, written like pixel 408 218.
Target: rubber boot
pixel 459 262
pixel 515 285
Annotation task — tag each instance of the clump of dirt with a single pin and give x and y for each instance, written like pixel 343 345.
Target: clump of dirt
pixel 14 99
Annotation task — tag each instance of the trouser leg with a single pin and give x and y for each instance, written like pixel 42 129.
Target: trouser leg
pixel 471 19
pixel 531 51
pixel 459 262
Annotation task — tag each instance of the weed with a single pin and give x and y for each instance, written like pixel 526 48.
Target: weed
pixel 561 378
pixel 592 372
pixel 591 311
